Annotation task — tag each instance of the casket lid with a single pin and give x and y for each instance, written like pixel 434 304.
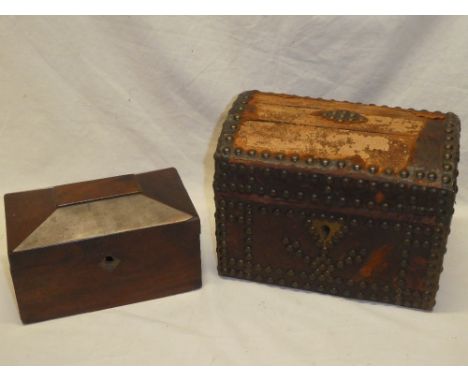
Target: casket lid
pixel 390 144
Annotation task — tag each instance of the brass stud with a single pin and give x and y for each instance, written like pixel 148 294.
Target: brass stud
pixel 404 173
pixel 446 179
pixel 432 176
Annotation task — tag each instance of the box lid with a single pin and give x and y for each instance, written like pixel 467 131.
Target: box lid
pixel 389 144
pixel 86 210
pixel 345 156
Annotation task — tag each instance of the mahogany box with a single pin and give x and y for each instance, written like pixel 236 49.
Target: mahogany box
pixel 99 244
pixel 337 197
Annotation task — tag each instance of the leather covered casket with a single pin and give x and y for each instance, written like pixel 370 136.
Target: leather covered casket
pixel 336 197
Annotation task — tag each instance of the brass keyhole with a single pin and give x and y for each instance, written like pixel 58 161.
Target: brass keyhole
pixel 109 259
pixel 325 231
pixel 109 263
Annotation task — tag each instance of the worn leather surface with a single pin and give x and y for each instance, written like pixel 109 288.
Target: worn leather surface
pixel 309 127
pixel 87 98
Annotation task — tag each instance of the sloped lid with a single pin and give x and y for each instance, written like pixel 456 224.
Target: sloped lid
pixel 91 209
pixel 100 218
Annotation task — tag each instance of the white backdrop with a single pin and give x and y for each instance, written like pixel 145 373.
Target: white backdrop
pixel 85 98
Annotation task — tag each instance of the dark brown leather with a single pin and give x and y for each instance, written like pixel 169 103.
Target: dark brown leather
pixel 336 197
